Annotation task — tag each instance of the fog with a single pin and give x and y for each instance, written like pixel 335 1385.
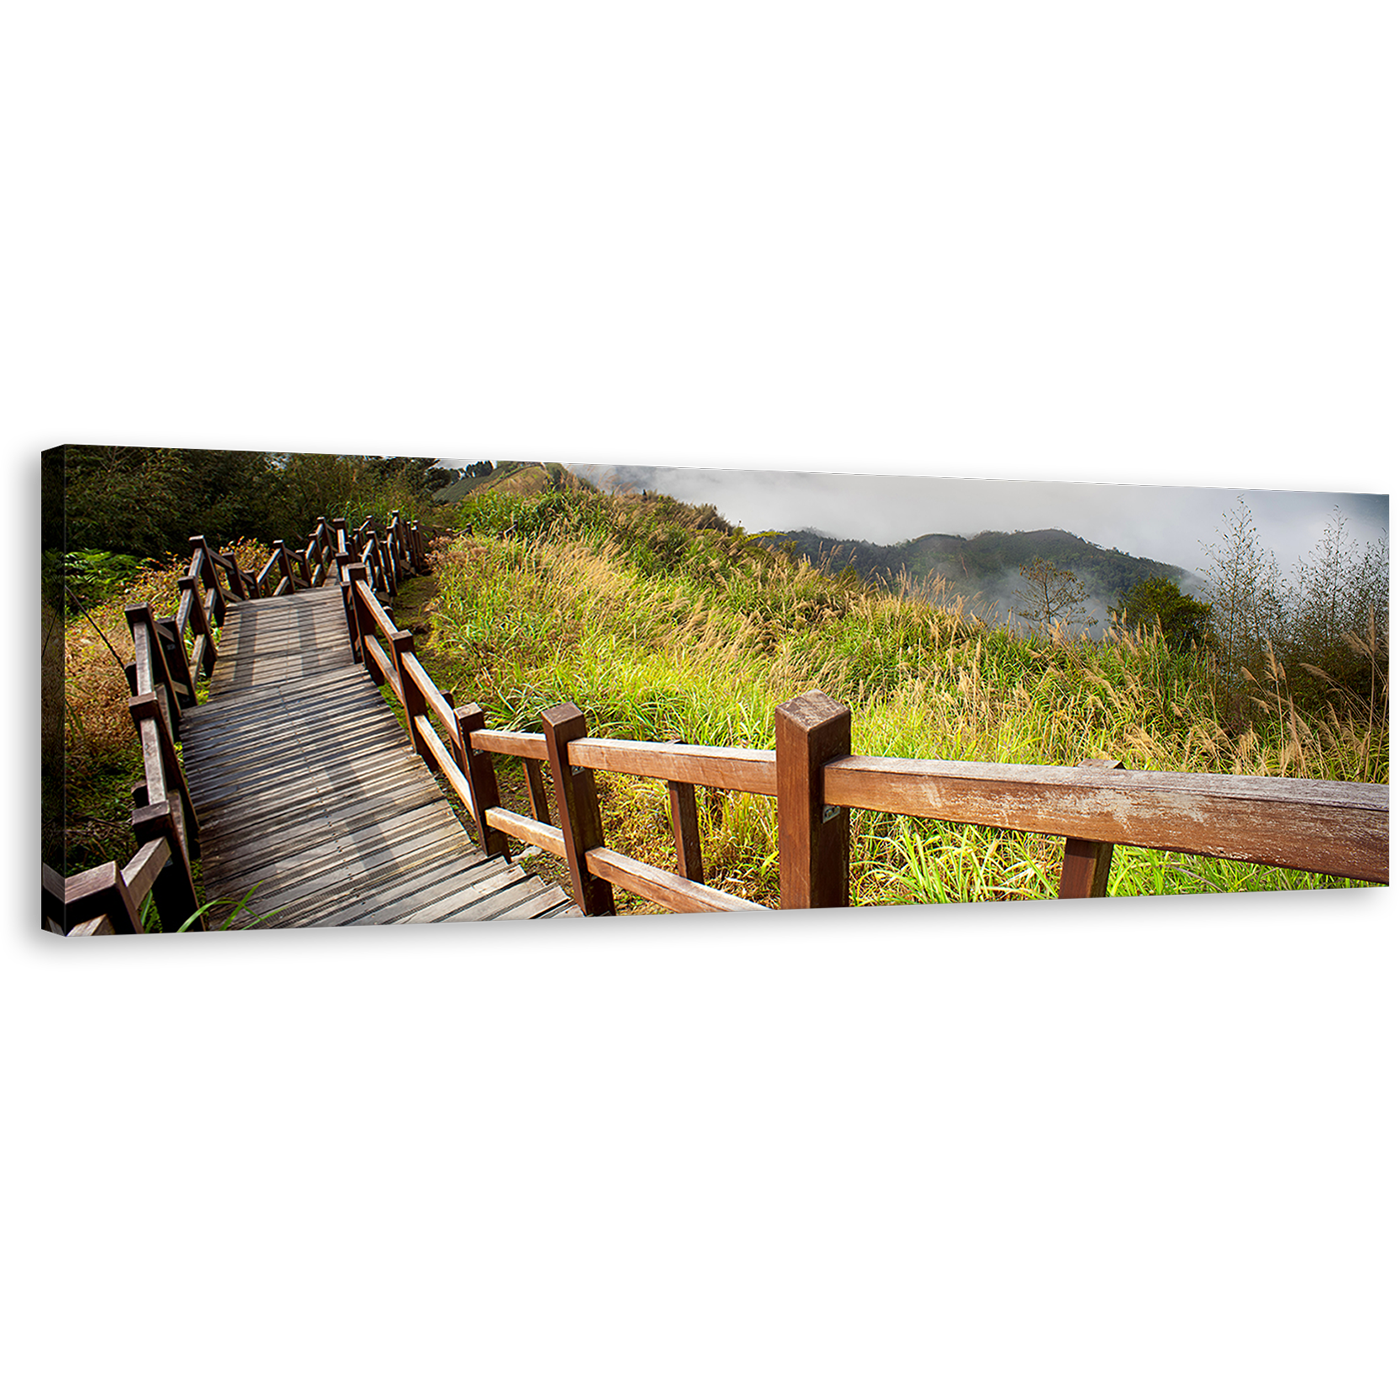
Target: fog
pixel 1172 524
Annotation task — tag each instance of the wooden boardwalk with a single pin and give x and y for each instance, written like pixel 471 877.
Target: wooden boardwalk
pixel 306 787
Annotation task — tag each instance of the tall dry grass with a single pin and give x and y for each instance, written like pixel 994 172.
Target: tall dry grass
pixel 101 759
pixel 567 607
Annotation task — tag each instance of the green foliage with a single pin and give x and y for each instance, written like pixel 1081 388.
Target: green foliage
pixel 91 576
pixel 1159 602
pixel 235 911
pixel 147 502
pixel 127 500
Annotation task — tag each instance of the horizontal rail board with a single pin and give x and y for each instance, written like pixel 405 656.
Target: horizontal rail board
pixel 738 770
pixel 376 609
pixel 432 696
pixel 511 743
pixel 1339 829
pixel 527 829
pixel 664 887
pixel 141 871
pixel 447 763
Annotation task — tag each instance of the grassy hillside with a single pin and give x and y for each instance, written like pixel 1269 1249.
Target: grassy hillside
pixel 663 622
pixel 512 478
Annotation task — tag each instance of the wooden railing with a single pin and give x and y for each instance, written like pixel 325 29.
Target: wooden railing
pixel 1332 828
pixel 171 655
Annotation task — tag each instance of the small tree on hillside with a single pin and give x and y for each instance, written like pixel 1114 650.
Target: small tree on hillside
pixel 1253 615
pixel 1182 620
pixel 1052 597
pixel 1245 594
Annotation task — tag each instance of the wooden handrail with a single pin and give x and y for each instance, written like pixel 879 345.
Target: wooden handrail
pixel 1332 828
pixel 106 899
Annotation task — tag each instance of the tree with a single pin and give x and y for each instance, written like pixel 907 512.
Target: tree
pixel 1339 585
pixel 406 474
pixel 1342 592
pixel 1159 601
pixel 1053 598
pixel 236 497
pixel 127 500
pixel 1247 606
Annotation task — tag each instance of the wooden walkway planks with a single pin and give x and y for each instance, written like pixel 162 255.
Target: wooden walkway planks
pixel 309 794
pixel 293 637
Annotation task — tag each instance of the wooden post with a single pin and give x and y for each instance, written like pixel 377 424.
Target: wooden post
pixel 539 796
pixel 140 616
pixel 100 891
pixel 413 702
pixel 576 792
pixel 174 887
pixel 200 619
pixel 284 561
pixel 352 617
pixel 177 661
pixel 814 840
pixel 172 776
pixel 374 557
pixel 340 546
pixel 209 576
pixel 685 829
pixel 364 619
pixel 481 778
pixel 1084 874
pixel 396 542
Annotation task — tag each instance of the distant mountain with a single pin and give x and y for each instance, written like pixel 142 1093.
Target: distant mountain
pixel 986 567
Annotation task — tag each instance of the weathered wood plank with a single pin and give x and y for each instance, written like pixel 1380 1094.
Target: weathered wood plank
pixel 541 906
pixel 1340 829
pixel 533 833
pixel 663 887
pixel 441 900
pixel 1086 866
pixel 510 743
pixel 739 770
pixel 348 843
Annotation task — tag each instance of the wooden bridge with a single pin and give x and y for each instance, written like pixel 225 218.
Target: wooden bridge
pixel 309 794
pixel 308 804
pixel 295 785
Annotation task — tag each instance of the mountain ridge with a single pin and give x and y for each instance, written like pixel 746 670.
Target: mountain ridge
pixel 984 566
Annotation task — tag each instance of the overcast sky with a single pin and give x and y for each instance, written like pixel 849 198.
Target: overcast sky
pixel 1167 523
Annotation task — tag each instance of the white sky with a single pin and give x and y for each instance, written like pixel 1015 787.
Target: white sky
pixel 1167 523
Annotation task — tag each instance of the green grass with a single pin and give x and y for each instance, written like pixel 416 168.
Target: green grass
pixel 660 622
